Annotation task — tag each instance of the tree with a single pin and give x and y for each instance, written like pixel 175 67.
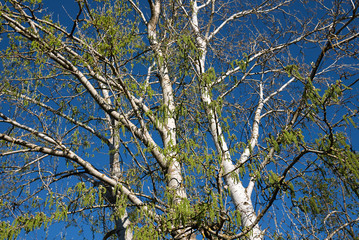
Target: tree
pixel 181 119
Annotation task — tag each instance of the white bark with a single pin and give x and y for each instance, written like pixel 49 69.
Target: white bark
pixel 86 165
pixel 239 195
pixel 122 223
pixel 143 126
pixel 174 175
pixel 167 128
pixel 123 228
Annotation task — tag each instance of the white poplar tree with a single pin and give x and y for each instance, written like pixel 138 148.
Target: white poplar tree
pixel 180 119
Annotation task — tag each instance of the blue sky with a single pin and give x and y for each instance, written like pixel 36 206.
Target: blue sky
pixel 66 11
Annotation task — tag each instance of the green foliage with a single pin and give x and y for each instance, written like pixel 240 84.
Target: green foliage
pixel 293 70
pixel 209 76
pixel 89 105
pixel 288 137
pixel 26 222
pixel 115 40
pixel 242 64
pixel 187 47
pixel 341 159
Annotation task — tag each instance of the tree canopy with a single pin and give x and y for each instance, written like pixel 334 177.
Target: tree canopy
pixel 171 119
